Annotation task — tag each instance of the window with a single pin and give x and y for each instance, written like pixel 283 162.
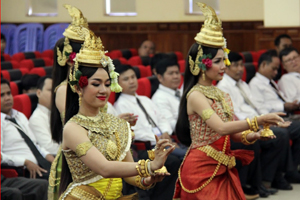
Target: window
pixel 41 7
pixel 191 7
pixel 120 7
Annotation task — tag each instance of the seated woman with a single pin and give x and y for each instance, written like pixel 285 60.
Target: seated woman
pixel 96 145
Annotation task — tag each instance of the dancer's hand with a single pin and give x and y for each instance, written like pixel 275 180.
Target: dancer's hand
pixel 257 135
pixel 161 153
pixel 157 178
pixel 271 118
pixel 130 117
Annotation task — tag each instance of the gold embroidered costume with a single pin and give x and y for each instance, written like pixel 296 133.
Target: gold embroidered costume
pixel 111 136
pixel 207 171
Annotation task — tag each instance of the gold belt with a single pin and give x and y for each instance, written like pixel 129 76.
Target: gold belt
pixel 219 156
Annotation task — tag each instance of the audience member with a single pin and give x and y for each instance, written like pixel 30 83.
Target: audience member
pixel 271 157
pixel 18 143
pixel 289 83
pixel 146 48
pixel 150 123
pixel 158 57
pixel 29 83
pixel 167 96
pixel 39 121
pixel 268 98
pixel 21 188
pixel 281 42
pixel 3 44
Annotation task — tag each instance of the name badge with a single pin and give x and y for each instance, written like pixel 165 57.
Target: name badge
pixel 156 131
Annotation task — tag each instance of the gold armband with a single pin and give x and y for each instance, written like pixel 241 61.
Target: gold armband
pixel 139 183
pixel 244 138
pixel 207 113
pixel 254 126
pixel 82 148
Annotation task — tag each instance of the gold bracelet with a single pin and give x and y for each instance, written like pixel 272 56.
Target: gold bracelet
pixel 254 126
pixel 141 168
pixel 244 138
pixel 138 182
pixel 249 123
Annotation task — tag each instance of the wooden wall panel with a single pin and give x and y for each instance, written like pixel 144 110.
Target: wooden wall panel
pixel 241 35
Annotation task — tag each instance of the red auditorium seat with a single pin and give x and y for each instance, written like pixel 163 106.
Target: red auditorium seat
pixel 181 64
pixel 115 54
pixel 137 60
pixel 250 70
pixel 25 103
pixel 26 55
pixel 125 53
pixel 48 54
pixel 10 65
pixel 144 87
pixel 144 71
pixel 112 98
pixel 9 173
pixel 38 62
pixel 179 55
pixel 5 57
pixel 14 74
pixel 41 71
pixel 15 87
pixel 147 86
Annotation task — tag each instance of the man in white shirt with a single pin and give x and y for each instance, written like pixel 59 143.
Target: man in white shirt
pixel 39 121
pixel 268 98
pixel 289 83
pixel 17 140
pixel 167 96
pixel 150 123
pixel 268 154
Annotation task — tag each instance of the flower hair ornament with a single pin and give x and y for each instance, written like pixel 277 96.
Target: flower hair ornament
pixel 210 35
pixel 92 54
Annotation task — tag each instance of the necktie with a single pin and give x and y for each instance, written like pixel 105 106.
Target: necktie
pixel 177 94
pixel 150 120
pixel 41 160
pixel 247 100
pixel 277 92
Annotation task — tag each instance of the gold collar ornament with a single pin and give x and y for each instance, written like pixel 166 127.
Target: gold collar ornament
pixel 210 35
pixel 92 54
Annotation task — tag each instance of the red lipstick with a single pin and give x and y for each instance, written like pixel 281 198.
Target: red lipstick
pixel 102 98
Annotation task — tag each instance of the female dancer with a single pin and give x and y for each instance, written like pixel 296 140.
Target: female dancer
pixel 205 122
pixel 96 145
pixel 64 52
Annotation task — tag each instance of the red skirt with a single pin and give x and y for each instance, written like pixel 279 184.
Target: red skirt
pixel 197 168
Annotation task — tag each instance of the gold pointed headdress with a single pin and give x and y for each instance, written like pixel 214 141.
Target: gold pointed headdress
pixel 78 21
pixel 73 32
pixel 92 54
pixel 210 35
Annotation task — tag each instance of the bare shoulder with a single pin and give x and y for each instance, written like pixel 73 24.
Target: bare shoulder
pixel 196 96
pixel 61 90
pixel 71 129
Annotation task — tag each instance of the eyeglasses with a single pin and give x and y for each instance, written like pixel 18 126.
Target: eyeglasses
pixel 291 59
